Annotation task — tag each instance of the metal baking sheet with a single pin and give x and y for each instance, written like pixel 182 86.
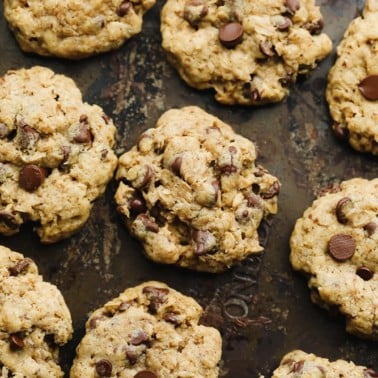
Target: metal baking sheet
pixel 261 307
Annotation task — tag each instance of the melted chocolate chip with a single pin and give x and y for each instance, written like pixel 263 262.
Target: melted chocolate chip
pixel 369 87
pixel 230 35
pixel 124 306
pixel 297 366
pixel 16 342
pixel 19 267
pixel 83 133
pixel 370 373
pixel 203 242
pixel 341 247
pixel 156 296
pixel 171 317
pixel 31 177
pixel 340 209
pixel 137 205
pixel 66 153
pixel 292 5
pixel 365 273
pixel 176 165
pixel 266 48
pixel 124 8
pixel 253 200
pixel 8 219
pixel 148 174
pixel 315 27
pixel 195 11
pixel 104 368
pixel 148 223
pixel 139 337
pixel 284 24
pixel 28 136
pixel 132 356
pixel 272 191
pixel 145 374
pixel 370 228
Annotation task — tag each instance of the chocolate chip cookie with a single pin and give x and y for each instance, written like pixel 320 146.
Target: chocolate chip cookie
pixel 191 192
pixel 335 244
pixel 352 91
pixel 249 52
pixel 74 29
pixel 149 331
pixel 34 320
pixel 301 364
pixel 55 153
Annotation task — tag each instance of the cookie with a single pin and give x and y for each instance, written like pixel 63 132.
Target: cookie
pixel 352 90
pixel 34 320
pixel 335 244
pixel 55 153
pixel 300 364
pixel 149 331
pixel 74 29
pixel 191 192
pixel 249 52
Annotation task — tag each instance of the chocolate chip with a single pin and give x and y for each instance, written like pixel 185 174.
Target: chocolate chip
pixel 83 118
pixel 105 117
pixel 19 267
pixel 287 80
pixel 156 296
pixel 137 205
pixel 31 177
pixel 83 134
pixel 341 131
pixel 369 87
pixel 370 373
pixel 230 35
pixel 171 317
pixel 365 273
pixel 147 176
pixel 370 228
pixel 255 95
pixel 253 200
pixel 132 356
pixel 195 11
pixel 229 167
pixel 66 153
pixel 292 5
pixel 139 337
pixel 124 306
pixel 284 24
pixel 148 223
pixel 341 208
pixel 176 165
pixel 204 242
pixel 28 136
pixel 272 191
pixel 314 28
pixel 104 368
pixel 16 341
pixel 297 367
pixel 342 247
pixel 94 322
pixel 8 219
pixel 266 48
pixel 3 130
pixel 145 374
pixel 124 8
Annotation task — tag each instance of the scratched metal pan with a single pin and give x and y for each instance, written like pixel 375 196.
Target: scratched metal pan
pixel 261 307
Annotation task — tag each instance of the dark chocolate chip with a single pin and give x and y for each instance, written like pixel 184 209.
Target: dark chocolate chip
pixel 94 322
pixel 3 130
pixel 132 356
pixel 340 209
pixel 156 296
pixel 28 136
pixel 341 247
pixel 16 341
pixel 124 8
pixel 230 35
pixel 140 337
pixel 272 191
pixel 176 165
pixel 201 239
pixel 365 273
pixel 266 48
pixel 253 200
pixel 137 205
pixel 314 28
pixel 284 24
pixel 83 133
pixel 19 267
pixel 8 219
pixel 124 306
pixel 148 223
pixel 292 5
pixel 145 374
pixel 369 87
pixel 83 118
pixel 104 368
pixel 171 317
pixel 297 367
pixel 195 11
pixel 148 174
pixel 228 169
pixel 370 373
pixel 31 177
pixel 370 228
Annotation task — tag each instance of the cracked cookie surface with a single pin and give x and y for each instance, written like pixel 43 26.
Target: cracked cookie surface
pixel 55 153
pixel 191 192
pixel 149 331
pixel 300 364
pixel 74 29
pixel 352 90
pixel 249 52
pixel 34 320
pixel 335 244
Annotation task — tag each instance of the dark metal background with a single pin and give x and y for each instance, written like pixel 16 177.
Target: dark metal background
pixel 261 307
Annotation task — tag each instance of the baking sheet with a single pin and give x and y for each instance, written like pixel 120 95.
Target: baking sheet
pixel 261 307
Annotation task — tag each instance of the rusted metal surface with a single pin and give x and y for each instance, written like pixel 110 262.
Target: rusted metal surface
pixel 261 307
